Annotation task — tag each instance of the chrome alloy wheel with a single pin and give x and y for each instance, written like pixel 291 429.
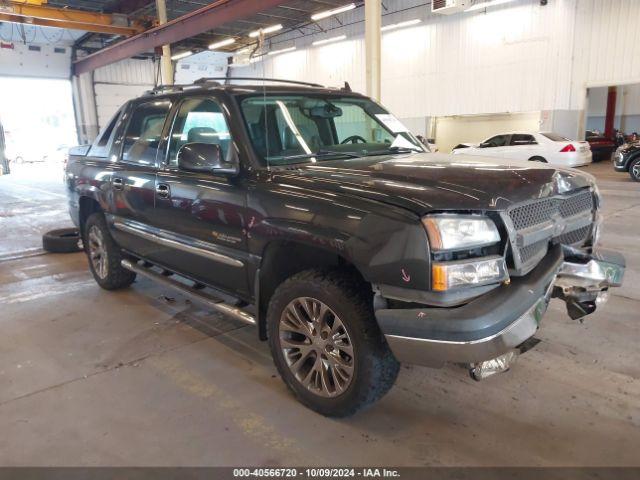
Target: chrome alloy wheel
pixel 635 170
pixel 98 252
pixel 316 347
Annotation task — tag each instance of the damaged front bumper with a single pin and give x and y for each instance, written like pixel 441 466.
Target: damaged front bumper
pixel 501 321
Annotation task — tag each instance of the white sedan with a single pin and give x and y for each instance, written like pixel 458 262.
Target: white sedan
pixel 537 147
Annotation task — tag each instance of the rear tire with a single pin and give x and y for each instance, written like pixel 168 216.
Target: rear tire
pixel 538 159
pixel 634 170
pixel 105 255
pixel 329 350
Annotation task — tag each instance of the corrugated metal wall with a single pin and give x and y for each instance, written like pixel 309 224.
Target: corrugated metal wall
pixel 519 57
pixel 119 82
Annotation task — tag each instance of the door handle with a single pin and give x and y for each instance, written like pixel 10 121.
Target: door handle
pixel 163 190
pixel 118 183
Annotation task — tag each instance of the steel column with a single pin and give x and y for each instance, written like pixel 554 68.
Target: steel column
pixel 166 66
pixel 610 116
pixel 373 24
pixel 199 21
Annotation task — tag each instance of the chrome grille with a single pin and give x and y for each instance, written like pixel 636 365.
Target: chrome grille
pixel 534 225
pixel 576 204
pixel 577 236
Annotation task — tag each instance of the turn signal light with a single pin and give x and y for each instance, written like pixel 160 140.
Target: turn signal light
pixel 568 148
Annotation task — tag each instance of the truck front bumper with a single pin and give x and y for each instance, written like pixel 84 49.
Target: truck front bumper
pixel 503 319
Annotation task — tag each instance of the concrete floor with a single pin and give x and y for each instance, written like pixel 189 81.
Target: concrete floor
pixel 89 377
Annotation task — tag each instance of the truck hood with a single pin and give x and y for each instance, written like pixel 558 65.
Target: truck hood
pixel 436 181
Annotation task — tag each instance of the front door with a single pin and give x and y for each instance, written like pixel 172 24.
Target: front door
pixel 202 214
pixel 134 178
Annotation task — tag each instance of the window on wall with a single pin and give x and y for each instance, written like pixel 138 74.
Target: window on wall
pixel 142 138
pixel 199 120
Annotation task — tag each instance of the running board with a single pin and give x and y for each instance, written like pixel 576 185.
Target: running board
pixel 192 293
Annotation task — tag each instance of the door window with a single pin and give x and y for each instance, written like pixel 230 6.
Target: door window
pixel 144 132
pixel 521 139
pixel 497 141
pixel 199 120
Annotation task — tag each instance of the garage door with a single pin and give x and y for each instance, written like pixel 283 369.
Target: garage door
pixel 450 131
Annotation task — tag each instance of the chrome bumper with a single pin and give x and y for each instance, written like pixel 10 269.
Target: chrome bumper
pixel 579 281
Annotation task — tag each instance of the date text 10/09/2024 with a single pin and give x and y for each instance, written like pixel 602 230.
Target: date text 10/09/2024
pixel 316 473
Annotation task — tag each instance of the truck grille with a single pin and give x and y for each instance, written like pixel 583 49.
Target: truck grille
pixel 534 225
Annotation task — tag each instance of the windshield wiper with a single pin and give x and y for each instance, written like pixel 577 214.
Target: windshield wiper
pixel 397 150
pixel 319 153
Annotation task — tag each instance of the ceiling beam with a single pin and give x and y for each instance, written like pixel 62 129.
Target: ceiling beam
pixel 199 21
pixel 38 14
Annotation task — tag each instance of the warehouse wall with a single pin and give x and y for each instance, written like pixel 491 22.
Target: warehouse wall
pixel 627 116
pixel 519 57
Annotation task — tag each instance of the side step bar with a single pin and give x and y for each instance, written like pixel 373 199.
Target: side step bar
pixel 192 293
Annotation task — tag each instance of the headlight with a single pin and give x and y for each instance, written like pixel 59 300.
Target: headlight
pixel 455 232
pixel 468 273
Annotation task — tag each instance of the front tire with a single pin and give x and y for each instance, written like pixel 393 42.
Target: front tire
pixel 634 170
pixel 104 255
pixel 326 344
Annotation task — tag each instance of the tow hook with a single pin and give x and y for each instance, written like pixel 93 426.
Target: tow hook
pixel 584 280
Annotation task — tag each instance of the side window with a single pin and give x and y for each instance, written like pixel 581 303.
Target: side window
pixel 199 120
pixel 100 147
pixel 497 141
pixel 521 139
pixel 143 134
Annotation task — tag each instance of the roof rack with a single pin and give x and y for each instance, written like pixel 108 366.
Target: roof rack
pixel 260 79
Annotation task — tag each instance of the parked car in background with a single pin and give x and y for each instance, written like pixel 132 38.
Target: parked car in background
pixel 545 147
pixel 601 147
pixel 627 159
pixel 357 247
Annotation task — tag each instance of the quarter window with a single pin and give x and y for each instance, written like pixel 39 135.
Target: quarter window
pixel 144 132
pixel 199 120
pixel 100 147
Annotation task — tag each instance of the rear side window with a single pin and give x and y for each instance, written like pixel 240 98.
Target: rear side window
pixel 554 137
pixel 142 138
pixel 102 143
pixel 521 139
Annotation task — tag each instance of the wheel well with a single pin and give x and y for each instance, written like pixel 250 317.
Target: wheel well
pixel 538 158
pixel 282 260
pixel 87 207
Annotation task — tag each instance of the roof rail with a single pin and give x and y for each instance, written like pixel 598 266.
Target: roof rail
pixel 260 79
pixel 161 89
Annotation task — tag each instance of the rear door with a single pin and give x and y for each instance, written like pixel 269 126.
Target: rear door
pixel 133 181
pixel 203 214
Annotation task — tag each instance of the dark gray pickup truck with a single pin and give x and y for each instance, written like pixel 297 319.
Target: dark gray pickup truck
pixel 315 215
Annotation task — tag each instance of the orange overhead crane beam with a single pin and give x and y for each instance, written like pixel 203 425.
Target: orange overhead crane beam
pixel 36 12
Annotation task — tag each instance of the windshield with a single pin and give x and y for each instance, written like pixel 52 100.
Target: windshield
pixel 287 129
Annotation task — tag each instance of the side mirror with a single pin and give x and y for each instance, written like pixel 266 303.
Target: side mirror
pixel 484 145
pixel 204 158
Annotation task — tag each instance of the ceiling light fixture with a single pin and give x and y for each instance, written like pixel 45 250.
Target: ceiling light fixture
pixel 283 50
pixel 222 43
pixel 481 5
pixel 330 40
pixel 328 13
pixel 179 56
pixel 264 31
pixel 408 23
